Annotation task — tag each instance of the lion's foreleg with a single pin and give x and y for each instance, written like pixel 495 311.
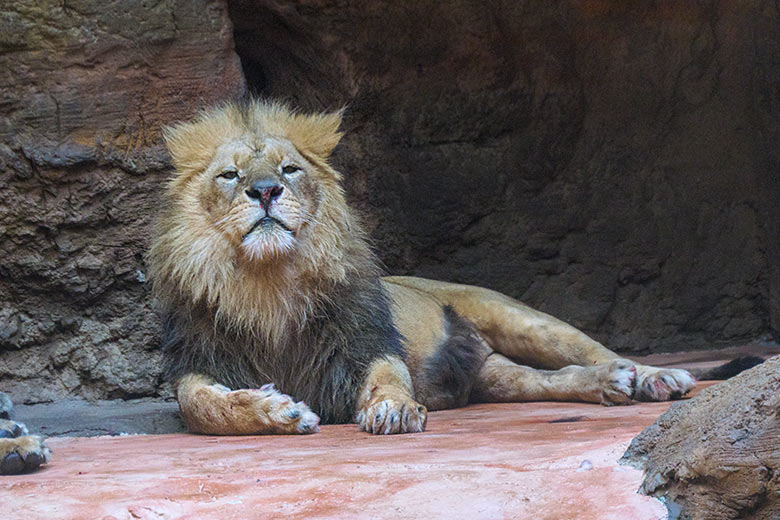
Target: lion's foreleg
pixel 211 408
pixel 386 403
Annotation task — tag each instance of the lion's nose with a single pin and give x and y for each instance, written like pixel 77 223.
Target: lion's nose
pixel 265 192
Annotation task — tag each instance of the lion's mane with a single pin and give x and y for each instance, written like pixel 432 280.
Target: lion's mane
pixel 311 321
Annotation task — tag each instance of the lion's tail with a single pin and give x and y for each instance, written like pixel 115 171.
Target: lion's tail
pixel 727 370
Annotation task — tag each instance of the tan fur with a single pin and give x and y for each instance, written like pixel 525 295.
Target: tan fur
pixel 530 337
pixel 197 260
pixel 24 446
pixel 207 257
pixel 27 451
pixel 501 380
pixel 514 329
pixel 214 409
pixel 387 403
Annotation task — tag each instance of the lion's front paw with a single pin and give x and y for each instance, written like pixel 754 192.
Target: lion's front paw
pixel 618 381
pixel 284 415
pixel 663 384
pixel 393 415
pixel 22 454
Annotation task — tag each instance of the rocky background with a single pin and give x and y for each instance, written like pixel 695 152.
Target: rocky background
pixel 614 164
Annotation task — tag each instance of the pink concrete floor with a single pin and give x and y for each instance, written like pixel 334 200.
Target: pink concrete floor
pixel 485 461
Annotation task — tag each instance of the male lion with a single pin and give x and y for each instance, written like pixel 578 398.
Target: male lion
pixel 266 278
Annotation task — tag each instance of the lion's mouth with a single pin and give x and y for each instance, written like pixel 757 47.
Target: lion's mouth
pixel 267 222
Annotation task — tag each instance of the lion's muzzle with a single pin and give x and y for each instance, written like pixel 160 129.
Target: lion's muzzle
pixel 267 223
pixel 265 191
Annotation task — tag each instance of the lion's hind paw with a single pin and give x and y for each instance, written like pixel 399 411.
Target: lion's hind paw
pixel 22 454
pixel 620 383
pixel 663 384
pixel 11 429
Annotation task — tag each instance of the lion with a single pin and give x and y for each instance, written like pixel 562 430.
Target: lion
pixel 277 316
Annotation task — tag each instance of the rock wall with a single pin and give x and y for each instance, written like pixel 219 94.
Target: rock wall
pixel 84 91
pixel 613 164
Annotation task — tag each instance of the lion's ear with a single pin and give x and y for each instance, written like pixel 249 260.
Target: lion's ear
pixel 317 133
pixel 191 145
pixel 175 137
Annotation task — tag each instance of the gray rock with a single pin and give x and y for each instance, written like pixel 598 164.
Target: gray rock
pixel 614 165
pixel 716 455
pixel 78 418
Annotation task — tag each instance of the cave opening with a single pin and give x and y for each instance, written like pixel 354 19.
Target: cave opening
pixel 512 148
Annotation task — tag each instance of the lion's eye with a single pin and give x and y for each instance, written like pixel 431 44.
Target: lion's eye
pixel 290 169
pixel 229 175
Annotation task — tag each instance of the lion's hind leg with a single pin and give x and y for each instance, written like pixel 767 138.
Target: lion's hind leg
pixel 501 380
pixel 19 452
pixel 538 339
pixel 211 408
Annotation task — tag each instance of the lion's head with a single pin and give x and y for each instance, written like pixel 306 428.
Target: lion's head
pixel 254 221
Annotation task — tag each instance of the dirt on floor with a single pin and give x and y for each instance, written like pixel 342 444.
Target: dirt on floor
pixel 523 460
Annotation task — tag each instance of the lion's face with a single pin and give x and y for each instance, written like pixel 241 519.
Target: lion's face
pixel 260 194
pixel 254 220
pixel 253 180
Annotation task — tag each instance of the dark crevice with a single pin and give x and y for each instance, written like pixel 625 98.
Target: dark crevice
pixel 253 74
pixel 250 42
pixel 539 162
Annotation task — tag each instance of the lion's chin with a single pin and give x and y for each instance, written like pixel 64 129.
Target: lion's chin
pixel 267 243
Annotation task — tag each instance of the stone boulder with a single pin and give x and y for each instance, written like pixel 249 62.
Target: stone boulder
pixel 717 455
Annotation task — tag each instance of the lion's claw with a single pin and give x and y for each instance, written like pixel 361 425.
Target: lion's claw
pixel 663 384
pixel 22 454
pixel 393 416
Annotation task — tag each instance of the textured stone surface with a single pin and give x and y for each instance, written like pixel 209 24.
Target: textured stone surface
pixel 613 164
pixel 717 456
pixel 84 91
pixel 80 418
pixel 546 461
